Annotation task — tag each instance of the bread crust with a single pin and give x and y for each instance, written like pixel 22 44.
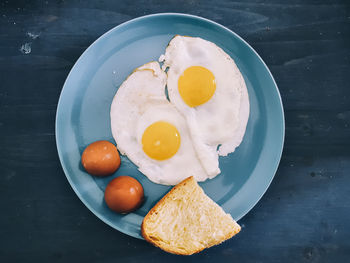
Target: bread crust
pixel 154 210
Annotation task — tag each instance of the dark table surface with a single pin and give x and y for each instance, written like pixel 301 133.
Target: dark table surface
pixel 305 214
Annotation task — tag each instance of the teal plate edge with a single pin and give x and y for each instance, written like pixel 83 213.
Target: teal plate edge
pixel 125 26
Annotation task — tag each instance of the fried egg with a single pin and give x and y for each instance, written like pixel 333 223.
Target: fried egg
pixel 150 131
pixel 206 86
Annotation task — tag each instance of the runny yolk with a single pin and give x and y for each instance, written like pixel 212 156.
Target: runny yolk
pixel 196 85
pixel 161 140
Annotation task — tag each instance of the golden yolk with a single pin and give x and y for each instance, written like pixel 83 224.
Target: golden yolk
pixel 196 85
pixel 161 140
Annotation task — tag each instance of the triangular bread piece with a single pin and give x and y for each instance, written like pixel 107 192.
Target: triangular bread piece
pixel 186 221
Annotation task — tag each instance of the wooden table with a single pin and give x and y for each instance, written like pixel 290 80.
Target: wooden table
pixel 305 214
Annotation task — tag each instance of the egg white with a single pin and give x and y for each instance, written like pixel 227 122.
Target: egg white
pixel 139 102
pixel 217 127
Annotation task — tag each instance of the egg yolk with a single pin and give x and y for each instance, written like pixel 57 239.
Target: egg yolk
pixel 161 140
pixel 196 85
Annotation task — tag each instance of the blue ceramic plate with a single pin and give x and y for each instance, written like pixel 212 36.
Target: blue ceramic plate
pixel 84 105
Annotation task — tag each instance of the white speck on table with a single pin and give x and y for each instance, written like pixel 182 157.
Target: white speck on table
pixel 26 48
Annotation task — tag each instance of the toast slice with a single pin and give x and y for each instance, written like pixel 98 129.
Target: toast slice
pixel 186 221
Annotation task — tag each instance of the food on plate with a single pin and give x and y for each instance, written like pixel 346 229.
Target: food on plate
pixel 206 86
pixel 205 117
pixel 151 131
pixel 100 158
pixel 186 221
pixel 124 194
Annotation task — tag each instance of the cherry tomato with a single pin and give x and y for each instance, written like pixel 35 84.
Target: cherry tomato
pixel 124 194
pixel 101 158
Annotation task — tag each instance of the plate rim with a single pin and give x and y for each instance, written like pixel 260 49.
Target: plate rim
pixel 134 20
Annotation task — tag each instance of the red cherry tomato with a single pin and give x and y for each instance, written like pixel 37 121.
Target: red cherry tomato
pixel 101 158
pixel 124 194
